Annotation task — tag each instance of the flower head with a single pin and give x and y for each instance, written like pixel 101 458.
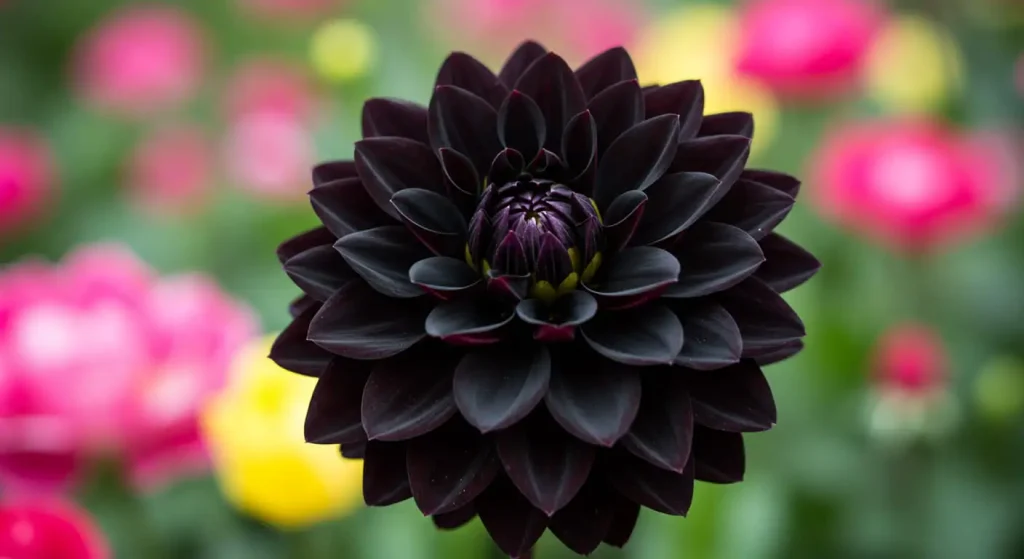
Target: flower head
pixel 26 174
pixel 552 236
pixel 31 529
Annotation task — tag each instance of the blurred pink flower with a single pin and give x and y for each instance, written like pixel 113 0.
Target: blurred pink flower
pixel 171 170
pixel 910 358
pixel 26 174
pixel 140 59
pixel 288 9
pixel 807 48
pixel 270 85
pixel 48 530
pixel 913 184
pixel 100 355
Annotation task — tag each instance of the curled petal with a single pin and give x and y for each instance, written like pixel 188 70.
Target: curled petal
pixel 513 523
pixel 605 70
pixel 635 276
pixel 334 415
pixel 292 351
pixel 622 218
pixel 360 323
pixel 550 82
pixel 736 399
pixel 522 58
pixel 713 258
pixel 443 276
pixel 734 124
pixel 330 171
pixel 718 455
pixel 753 207
pixel 344 206
pixel 394 117
pixel 465 123
pixel 385 478
pixel 408 396
pixel 303 242
pixel 319 271
pixel 498 386
pixel 448 469
pixel 685 99
pixel 661 490
pixel 648 335
pixel 638 158
pixel 787 265
pixel 433 218
pixel 593 399
pixel 713 339
pixel 383 256
pixel 663 430
pixel 616 109
pixel 463 71
pixel 765 319
pixel 521 124
pixel 677 201
pixel 467 322
pixel 389 165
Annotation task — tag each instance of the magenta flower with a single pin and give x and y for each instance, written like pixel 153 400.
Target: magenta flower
pixel 45 530
pixel 140 59
pixel 806 48
pixel 912 184
pixel 910 358
pixel 26 174
pixel 171 170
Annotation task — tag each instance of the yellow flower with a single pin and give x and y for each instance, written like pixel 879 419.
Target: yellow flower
pixel 700 42
pixel 254 429
pixel 343 49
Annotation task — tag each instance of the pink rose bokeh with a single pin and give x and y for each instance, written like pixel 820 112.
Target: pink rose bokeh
pixel 48 530
pixel 26 177
pixel 910 358
pixel 171 171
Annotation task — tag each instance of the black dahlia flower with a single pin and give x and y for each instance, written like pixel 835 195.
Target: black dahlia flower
pixel 545 299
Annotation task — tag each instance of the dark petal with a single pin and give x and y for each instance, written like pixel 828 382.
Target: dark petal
pixel 712 339
pixel 292 351
pixel 624 516
pixel 433 219
pixel 779 353
pixel 605 70
pixel 334 170
pixel 685 99
pixel 508 287
pixel 663 430
pixel 383 256
pixel 584 522
pixel 319 271
pixel 721 156
pixel 779 181
pixel 497 387
pixel 389 165
pixel 408 396
pixel 736 399
pixel 648 335
pixel 753 207
pixel 615 110
pixel 394 117
pixel 448 469
pixel 786 265
pixel 510 256
pixel 301 304
pixel 513 523
pixel 506 167
pixel 657 489
pixel 466 123
pixel 385 481
pixel 463 71
pixel 354 451
pixel 344 206
pixel 516 65
pixel 622 218
pixel 550 82
pixel 545 160
pixel 467 322
pixel 455 519
pixel 677 201
pixel 634 276
pixel 521 124
pixel 462 176
pixel 442 276
pixel 552 263
pixel 334 414
pixel 638 158
pixel 713 258
pixel 765 319
pixel 593 399
pixel 558 322
pixel 735 124
pixel 718 455
pixel 547 465
pixel 360 323
pixel 579 150
pixel 303 242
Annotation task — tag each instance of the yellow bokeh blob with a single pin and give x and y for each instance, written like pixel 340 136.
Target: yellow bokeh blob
pixel 343 50
pixel 254 430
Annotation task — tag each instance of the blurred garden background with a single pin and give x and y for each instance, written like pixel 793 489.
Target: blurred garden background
pixel 153 154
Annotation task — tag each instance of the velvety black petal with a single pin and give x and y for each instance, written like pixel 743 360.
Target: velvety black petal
pixel 334 170
pixel 360 323
pixel 334 414
pixel 385 481
pixel 383 256
pixel 456 518
pixel 616 109
pixel 605 70
pixel 506 167
pixel 550 82
pixel 443 276
pixel 721 156
pixel 663 430
pixel 786 265
pixel 765 319
pixel 433 218
pixel 463 71
pixel 579 150
pixel 521 124
pixel 344 206
pixel 638 158
pixel 712 338
pixel 498 386
pixel 736 399
pixel 685 99
pixel 301 304
pixel 547 466
pixel 508 288
pixel 622 218
pixel 713 258
pixel 394 117
pixel 718 455
pixel 735 124
pixel 292 351
pixel 583 523
pixel 354 451
pixel 558 322
pixel 463 179
pixel 779 181
pixel 467 322
pixel 449 468
pixel 408 396
pixel 319 271
pixel 634 276
pixel 753 207
pixel 389 165
pixel 521 59
pixel 648 335
pixel 303 242
pixel 676 202
pixel 657 489
pixel 466 123
pixel 780 352
pixel 624 516
pixel 513 523
pixel 593 399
